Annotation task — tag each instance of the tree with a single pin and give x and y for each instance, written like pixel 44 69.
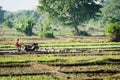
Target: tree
pixel 45 26
pixel 111 12
pixel 113 30
pixel 8 15
pixel 1 15
pixel 71 12
pixel 8 24
pixel 26 26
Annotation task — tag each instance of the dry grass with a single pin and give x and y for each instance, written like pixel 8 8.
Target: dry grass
pixel 65 66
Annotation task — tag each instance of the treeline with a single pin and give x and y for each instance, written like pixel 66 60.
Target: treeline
pixel 74 14
pixel 29 22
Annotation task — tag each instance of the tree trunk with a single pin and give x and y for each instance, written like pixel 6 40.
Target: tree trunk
pixel 76 31
pixel 28 32
pixel 115 38
pixel 118 38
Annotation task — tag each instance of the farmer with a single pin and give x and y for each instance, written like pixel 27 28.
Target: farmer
pixel 17 44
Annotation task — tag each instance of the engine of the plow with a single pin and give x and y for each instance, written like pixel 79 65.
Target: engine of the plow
pixel 32 47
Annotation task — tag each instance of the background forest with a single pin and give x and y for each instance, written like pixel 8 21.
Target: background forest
pixel 69 17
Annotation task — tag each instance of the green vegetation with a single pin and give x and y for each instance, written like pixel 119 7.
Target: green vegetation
pixel 45 27
pixel 44 64
pixel 8 24
pixel 62 55
pixel 61 66
pixel 71 12
pixel 1 15
pixel 112 15
pixel 41 77
pixel 111 10
pixel 26 58
pixel 26 26
pixel 113 30
pixel 46 34
pixel 72 45
pixel 54 18
pixel 23 21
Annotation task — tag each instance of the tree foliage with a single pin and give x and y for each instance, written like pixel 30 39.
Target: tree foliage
pixel 45 25
pixel 1 14
pixel 8 15
pixel 70 12
pixel 111 12
pixel 113 30
pixel 8 24
pixel 46 34
pixel 17 17
pixel 25 26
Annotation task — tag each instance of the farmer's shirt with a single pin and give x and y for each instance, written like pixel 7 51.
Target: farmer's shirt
pixel 17 43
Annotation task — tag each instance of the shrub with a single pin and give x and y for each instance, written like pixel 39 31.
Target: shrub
pixel 81 33
pixel 25 26
pixel 113 31
pixel 84 33
pixel 46 34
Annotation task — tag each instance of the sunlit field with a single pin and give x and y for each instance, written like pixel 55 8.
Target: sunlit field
pixel 60 40
pixel 74 58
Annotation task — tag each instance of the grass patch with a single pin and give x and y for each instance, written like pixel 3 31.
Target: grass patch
pixel 38 77
pixel 50 58
pixel 71 45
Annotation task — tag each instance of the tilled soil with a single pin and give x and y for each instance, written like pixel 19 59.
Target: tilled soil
pixel 79 70
pixel 85 63
pixel 72 72
pixel 32 69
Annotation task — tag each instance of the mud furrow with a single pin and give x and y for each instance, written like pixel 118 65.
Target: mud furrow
pixel 91 71
pixel 23 74
pixel 14 65
pixel 84 64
